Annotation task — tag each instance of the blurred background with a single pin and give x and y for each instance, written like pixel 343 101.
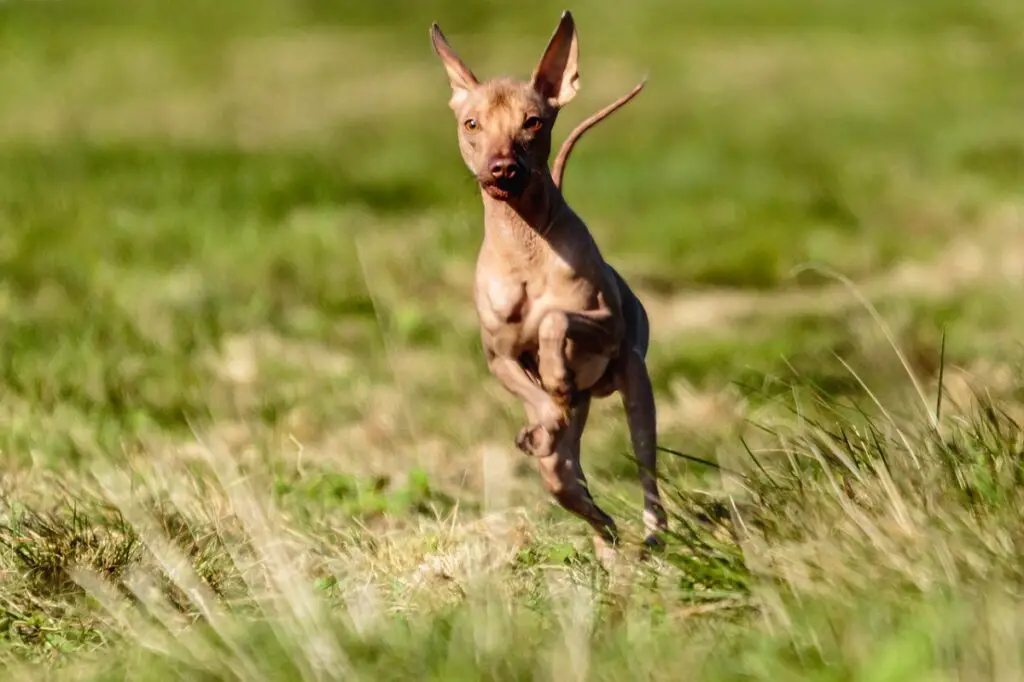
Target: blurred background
pixel 247 222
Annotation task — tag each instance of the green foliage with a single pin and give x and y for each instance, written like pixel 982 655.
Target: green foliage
pixel 236 255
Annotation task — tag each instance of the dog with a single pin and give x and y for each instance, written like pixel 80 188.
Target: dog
pixel 559 326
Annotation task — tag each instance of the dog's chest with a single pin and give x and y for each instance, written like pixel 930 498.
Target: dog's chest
pixel 507 300
pixel 511 306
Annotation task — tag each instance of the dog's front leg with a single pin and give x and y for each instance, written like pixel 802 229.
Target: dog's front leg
pixel 597 332
pixel 547 420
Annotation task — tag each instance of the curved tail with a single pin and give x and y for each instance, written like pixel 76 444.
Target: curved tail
pixel 558 168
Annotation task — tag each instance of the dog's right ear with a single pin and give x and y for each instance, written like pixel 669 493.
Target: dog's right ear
pixel 460 77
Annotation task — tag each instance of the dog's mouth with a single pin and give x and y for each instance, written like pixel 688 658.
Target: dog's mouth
pixel 504 189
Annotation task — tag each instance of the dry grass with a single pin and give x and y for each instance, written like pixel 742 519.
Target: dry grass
pixel 247 434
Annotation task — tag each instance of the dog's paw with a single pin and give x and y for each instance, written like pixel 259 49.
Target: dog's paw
pixel 536 441
pixel 653 544
pixel 523 440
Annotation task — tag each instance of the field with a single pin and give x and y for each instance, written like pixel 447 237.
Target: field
pixel 246 428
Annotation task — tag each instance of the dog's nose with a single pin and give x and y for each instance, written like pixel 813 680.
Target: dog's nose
pixel 503 169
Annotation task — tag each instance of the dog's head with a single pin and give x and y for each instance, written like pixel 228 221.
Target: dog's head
pixel 505 124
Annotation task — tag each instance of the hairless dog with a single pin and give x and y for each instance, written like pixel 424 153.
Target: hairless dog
pixel 559 326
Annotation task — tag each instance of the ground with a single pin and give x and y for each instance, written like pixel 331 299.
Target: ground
pixel 247 432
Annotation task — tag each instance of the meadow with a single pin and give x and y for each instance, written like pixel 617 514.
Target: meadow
pixel 247 431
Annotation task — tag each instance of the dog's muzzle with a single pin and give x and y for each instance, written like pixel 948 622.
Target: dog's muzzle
pixel 505 178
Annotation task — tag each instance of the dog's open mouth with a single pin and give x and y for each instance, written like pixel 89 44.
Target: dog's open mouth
pixel 505 188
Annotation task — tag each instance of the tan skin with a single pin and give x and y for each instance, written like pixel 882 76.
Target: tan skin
pixel 558 325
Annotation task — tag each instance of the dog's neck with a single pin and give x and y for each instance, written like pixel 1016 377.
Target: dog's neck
pixel 527 221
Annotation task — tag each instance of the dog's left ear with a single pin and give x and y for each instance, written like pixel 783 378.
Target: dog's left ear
pixel 557 74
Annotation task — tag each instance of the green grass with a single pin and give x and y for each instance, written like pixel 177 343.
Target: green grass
pixel 246 431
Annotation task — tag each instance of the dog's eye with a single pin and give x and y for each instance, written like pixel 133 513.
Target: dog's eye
pixel 470 124
pixel 533 124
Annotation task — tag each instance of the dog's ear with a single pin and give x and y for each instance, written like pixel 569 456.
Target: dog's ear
pixel 461 78
pixel 557 74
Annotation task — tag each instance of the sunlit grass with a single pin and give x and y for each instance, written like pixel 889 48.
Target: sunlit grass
pixel 247 432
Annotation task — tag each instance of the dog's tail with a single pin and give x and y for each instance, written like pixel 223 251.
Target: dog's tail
pixel 558 168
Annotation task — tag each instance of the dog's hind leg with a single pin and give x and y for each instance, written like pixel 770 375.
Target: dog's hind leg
pixel 634 384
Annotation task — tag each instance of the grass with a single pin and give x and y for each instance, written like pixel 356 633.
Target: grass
pixel 245 427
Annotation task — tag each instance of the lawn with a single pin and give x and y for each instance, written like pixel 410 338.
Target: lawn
pixel 247 431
